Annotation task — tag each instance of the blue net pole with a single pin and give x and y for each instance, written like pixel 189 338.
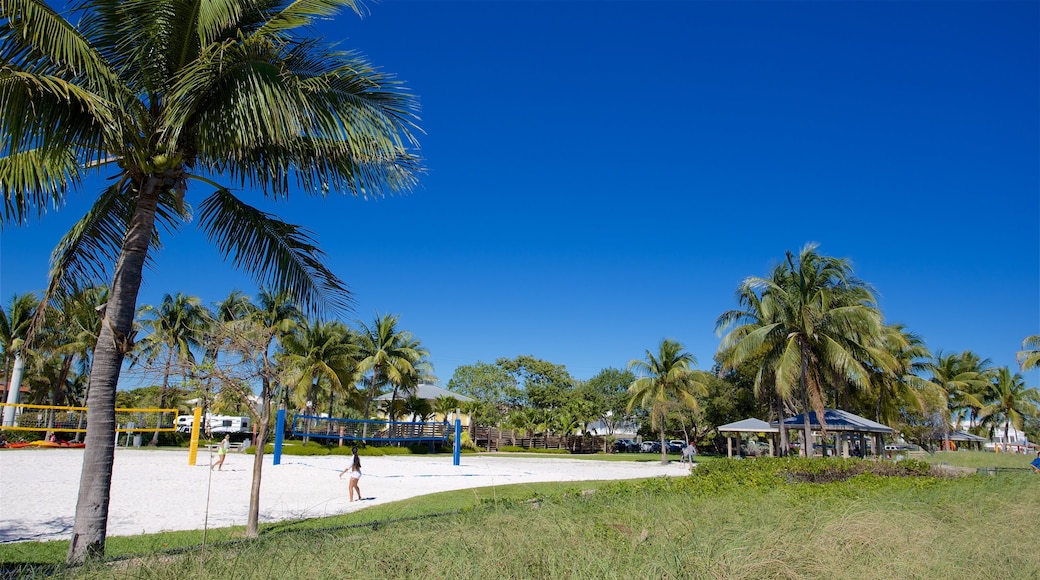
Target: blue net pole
pixel 458 442
pixel 279 435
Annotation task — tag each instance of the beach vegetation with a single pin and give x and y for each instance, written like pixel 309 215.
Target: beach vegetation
pixel 736 519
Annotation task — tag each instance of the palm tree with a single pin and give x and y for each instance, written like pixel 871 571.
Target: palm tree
pixel 320 354
pixel 963 378
pixel 391 355
pixel 670 377
pixel 236 307
pixel 819 326
pixel 69 331
pixel 15 324
pixel 276 315
pixel 1009 401
pixel 177 91
pixel 901 384
pixel 756 336
pixel 176 329
pixel 1029 356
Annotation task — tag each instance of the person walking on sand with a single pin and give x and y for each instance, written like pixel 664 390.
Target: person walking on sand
pixel 355 474
pixel 222 450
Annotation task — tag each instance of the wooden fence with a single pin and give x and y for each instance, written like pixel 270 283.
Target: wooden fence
pixel 491 439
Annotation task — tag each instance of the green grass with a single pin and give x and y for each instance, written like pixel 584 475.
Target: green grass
pixel 735 519
pixel 981 459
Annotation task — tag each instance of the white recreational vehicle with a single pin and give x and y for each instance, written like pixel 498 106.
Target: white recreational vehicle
pixel 215 424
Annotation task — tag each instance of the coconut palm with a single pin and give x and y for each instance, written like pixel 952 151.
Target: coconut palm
pixel 236 307
pixel 390 354
pixel 963 378
pixel 1008 401
pixel 69 333
pixel 321 354
pixel 170 91
pixel 755 335
pixel 15 324
pixel 176 329
pixel 1029 356
pixel 670 377
pixel 900 385
pixel 821 329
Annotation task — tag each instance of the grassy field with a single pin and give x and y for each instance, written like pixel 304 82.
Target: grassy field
pixel 737 520
pixel 981 459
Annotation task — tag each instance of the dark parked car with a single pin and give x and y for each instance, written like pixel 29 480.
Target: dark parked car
pixel 651 447
pixel 676 446
pixel 625 446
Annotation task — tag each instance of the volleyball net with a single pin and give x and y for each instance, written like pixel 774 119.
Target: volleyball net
pixel 22 417
pixel 370 430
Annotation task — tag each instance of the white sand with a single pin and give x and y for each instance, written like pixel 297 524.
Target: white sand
pixel 156 490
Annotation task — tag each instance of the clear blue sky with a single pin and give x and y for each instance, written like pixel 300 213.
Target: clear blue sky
pixel 603 175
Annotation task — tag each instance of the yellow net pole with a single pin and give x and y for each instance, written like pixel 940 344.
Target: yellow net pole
pixel 193 449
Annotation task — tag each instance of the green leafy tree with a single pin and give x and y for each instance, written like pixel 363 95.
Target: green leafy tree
pixel 171 92
pixel 540 383
pixel 669 377
pixel 487 385
pixel 609 390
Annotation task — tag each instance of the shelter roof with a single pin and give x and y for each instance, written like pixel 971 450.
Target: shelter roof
pixel 965 436
pixel 425 391
pixel 749 425
pixel 838 420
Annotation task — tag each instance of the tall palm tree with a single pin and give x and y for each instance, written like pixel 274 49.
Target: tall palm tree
pixel 963 378
pixel 901 384
pixel 1008 401
pixel 670 377
pixel 756 335
pixel 15 324
pixel 169 91
pixel 821 329
pixel 176 330
pixel 236 307
pixel 1029 356
pixel 277 315
pixel 323 353
pixel 390 354
pixel 69 332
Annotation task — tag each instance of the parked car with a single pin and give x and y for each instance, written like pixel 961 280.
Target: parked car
pixel 651 447
pixel 625 446
pixel 676 446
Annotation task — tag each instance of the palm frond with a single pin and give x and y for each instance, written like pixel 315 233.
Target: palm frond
pixel 304 13
pixel 34 36
pixel 87 250
pixel 280 255
pixel 31 181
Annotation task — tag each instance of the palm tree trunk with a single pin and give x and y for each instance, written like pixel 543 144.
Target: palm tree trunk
pixel 807 444
pixel 785 446
pixel 162 398
pixel 114 341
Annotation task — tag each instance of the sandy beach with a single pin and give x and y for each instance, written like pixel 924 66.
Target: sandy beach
pixel 156 490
